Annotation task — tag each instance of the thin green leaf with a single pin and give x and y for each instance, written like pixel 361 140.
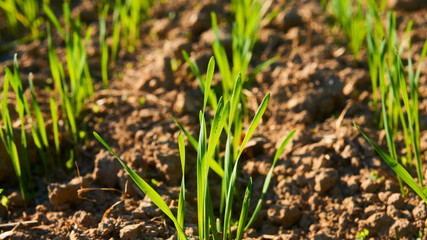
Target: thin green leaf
pixel 146 188
pixel 268 177
pixel 38 113
pixel 245 210
pixel 218 123
pixel 254 123
pixel 212 163
pixel 397 168
pixel 54 113
pixel 181 201
pixel 201 166
pixel 230 193
pixel 209 77
pixel 53 19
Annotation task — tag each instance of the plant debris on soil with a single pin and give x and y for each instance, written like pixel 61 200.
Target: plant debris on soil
pixel 329 184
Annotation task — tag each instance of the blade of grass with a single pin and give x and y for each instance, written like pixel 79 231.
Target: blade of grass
pixel 7 138
pixel 217 125
pixel 51 16
pixel 38 113
pixel 245 210
pixel 212 163
pixel 103 11
pixel 181 201
pixel 201 155
pixel 209 76
pixel 54 113
pixel 397 168
pixel 146 188
pixel 230 190
pixel 116 31
pixel 268 178
pixel 195 70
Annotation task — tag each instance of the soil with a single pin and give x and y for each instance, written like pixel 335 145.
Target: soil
pixel 329 183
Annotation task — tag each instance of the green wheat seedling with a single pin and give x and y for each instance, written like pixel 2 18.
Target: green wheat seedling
pixel 209 226
pixel 397 168
pixel 55 119
pixel 375 34
pixel 244 37
pixel 127 17
pixel 41 124
pixel 116 32
pixel 393 91
pixel 103 11
pixel 150 192
pixel 8 140
pixel 38 130
pixel 410 124
pixel 399 103
pixel 81 85
pixel 22 13
pixel 351 20
pixel 72 94
pixel 249 18
pixel 412 105
pixel 61 88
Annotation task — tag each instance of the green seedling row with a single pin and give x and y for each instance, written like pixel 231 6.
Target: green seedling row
pixel 8 140
pixel 351 19
pixel 398 93
pixel 210 226
pixel 20 13
pixel 71 91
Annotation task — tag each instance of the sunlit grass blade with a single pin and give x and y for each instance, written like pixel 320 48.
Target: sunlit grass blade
pixel 190 138
pixel 238 128
pixel 201 173
pixel 212 99
pixel 103 42
pixel 235 97
pixel 217 126
pixel 38 113
pixel 262 66
pixel 12 16
pixel 7 137
pixel 53 19
pixel 411 139
pixel 14 81
pixel 254 123
pixel 397 168
pixel 245 210
pixel 211 216
pixel 209 76
pixel 230 189
pixel 230 149
pixel 221 58
pixel 181 201
pixel 116 31
pixel 23 108
pixel 268 177
pixel 194 143
pixel 195 70
pixel 54 113
pixel 146 188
